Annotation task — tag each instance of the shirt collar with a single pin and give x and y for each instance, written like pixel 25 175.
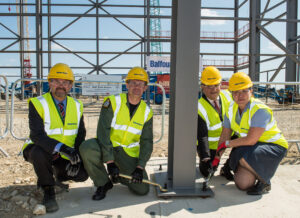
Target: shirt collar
pixel 57 101
pixel 212 101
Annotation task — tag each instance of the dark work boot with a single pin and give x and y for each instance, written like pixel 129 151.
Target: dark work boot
pixel 101 191
pixel 259 188
pixel 49 199
pixel 226 172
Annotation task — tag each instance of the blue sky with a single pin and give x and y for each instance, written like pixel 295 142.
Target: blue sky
pixel 109 28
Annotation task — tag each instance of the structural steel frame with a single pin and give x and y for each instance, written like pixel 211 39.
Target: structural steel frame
pixel 257 22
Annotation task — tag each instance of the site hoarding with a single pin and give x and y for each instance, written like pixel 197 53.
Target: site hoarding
pixel 110 85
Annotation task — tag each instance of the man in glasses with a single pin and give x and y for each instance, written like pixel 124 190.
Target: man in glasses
pixel 211 110
pixel 56 131
pixel 124 139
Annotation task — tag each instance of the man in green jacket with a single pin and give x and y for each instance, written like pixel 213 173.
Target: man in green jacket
pixel 124 139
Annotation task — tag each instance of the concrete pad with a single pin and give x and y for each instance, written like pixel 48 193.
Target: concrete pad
pixel 282 201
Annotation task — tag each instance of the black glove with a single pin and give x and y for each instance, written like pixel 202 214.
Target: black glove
pixel 205 167
pixel 113 171
pixel 72 170
pixel 137 175
pixel 70 153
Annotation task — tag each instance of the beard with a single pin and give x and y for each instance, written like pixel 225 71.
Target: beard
pixel 60 92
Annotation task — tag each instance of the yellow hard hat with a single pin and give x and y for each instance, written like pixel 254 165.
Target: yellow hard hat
pixel 211 76
pixel 137 73
pixel 239 81
pixel 61 71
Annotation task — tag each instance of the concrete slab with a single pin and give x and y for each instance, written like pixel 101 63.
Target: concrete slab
pixel 282 201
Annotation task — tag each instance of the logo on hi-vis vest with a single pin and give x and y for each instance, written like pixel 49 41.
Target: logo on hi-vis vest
pixel 137 123
pixel 71 124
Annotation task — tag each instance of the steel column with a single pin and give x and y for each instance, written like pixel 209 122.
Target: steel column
pixel 184 79
pixel 21 37
pixel 97 37
pixel 39 42
pixel 49 36
pixel 236 34
pixel 291 34
pixel 254 40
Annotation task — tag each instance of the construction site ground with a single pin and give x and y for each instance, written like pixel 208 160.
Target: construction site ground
pixel 19 194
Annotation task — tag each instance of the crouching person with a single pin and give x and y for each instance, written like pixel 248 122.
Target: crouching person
pixel 260 146
pixel 56 131
pixel 124 139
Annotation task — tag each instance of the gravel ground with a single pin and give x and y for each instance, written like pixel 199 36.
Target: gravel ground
pixel 18 192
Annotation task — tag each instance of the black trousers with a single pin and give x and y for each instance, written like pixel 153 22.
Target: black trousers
pixel 46 168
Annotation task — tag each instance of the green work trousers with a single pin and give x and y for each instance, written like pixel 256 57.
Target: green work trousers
pixel 91 154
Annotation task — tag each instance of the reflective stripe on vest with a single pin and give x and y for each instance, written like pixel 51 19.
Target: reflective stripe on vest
pixel 227 95
pixel 271 133
pixel 204 113
pixel 63 132
pixel 125 127
pixel 126 132
pixel 47 122
pixel 209 115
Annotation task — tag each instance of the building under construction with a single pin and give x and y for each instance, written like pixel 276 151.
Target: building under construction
pixel 107 37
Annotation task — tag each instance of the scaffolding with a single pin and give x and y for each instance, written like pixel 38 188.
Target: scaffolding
pixel 55 36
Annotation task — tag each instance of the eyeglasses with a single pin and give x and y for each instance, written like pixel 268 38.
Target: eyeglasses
pixel 240 92
pixel 137 83
pixel 212 86
pixel 63 82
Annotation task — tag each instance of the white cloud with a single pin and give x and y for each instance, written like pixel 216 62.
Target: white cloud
pixel 274 47
pixel 243 50
pixel 58 47
pixel 211 13
pixel 12 60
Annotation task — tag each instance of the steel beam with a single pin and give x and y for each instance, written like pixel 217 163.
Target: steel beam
pixel 39 43
pixel 184 93
pixel 49 36
pixel 254 40
pixel 277 70
pixel 276 42
pixel 97 37
pixel 236 29
pixel 291 34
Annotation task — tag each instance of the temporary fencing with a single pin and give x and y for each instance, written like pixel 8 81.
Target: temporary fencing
pixel 24 138
pixel 6 114
pixel 282 97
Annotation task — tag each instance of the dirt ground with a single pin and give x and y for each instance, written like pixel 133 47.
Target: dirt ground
pixel 18 192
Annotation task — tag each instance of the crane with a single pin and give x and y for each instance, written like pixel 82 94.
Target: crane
pixel 155 28
pixel 26 61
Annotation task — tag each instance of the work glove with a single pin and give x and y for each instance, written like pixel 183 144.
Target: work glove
pixel 72 170
pixel 137 175
pixel 221 148
pixel 113 171
pixel 205 167
pixel 215 163
pixel 70 153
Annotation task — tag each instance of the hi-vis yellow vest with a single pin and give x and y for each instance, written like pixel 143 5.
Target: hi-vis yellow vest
pixel 212 118
pixel 125 132
pixel 271 134
pixel 53 125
